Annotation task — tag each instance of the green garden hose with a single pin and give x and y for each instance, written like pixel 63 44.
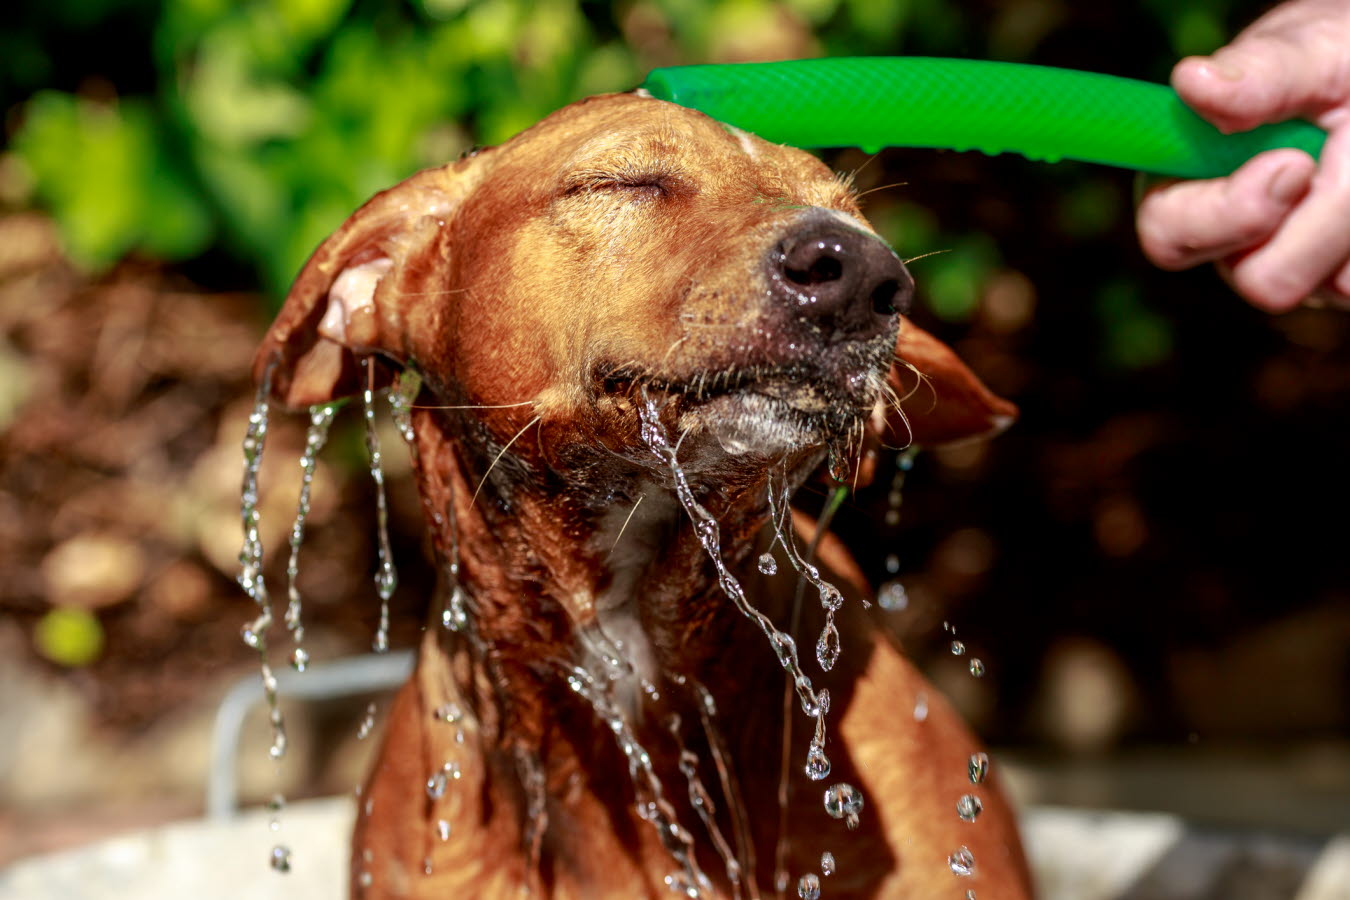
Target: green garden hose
pixel 958 104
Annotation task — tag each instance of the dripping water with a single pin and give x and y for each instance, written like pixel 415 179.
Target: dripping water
pixel 455 610
pixel 709 536
pixel 367 722
pixel 386 579
pixel 401 398
pixel 844 801
pixel 814 704
pixel 891 594
pixel 702 802
pixel 651 803
pixel 731 789
pixel 320 420
pixel 532 779
pixel 251 579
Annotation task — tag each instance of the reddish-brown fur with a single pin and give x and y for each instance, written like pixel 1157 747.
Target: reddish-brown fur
pixel 616 245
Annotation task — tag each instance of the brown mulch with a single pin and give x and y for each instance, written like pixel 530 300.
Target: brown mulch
pixel 123 401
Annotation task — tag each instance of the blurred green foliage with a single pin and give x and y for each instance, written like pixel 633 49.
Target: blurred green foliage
pixel 249 130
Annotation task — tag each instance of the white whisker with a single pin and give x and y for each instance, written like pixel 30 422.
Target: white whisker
pixel 624 526
pixel 498 457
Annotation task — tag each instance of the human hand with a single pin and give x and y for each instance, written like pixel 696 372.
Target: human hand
pixel 1279 227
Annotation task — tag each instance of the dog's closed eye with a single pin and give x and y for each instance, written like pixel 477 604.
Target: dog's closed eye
pixel 634 184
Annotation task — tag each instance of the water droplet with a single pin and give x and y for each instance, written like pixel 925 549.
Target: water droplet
pixel 367 723
pixel 970 894
pixel 893 597
pixel 767 564
pixel 780 881
pixel 962 862
pixel 276 803
pixel 426 865
pixel 892 563
pixel 455 615
pixel 808 887
pixel 958 648
pixel 921 707
pixel 443 829
pixel 827 863
pixel 449 713
pixel 252 635
pixel 299 659
pixel 281 858
pixel 977 667
pixel 365 879
pixel 827 646
pixel 436 785
pixel 680 883
pixel 401 399
pixel 817 764
pixel 969 807
pixel 842 800
pixel 892 517
pixel 978 767
pixel 830 597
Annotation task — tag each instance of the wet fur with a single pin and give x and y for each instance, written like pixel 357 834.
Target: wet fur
pixel 541 290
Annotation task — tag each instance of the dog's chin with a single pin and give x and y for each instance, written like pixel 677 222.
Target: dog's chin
pixel 767 424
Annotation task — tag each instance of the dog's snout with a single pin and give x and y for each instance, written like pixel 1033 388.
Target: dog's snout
pixel 845 280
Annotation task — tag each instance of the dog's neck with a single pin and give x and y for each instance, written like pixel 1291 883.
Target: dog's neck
pixel 562 585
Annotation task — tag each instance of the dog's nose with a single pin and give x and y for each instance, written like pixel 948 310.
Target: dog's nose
pixel 844 280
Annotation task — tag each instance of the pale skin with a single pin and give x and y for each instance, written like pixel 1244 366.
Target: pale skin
pixel 1278 229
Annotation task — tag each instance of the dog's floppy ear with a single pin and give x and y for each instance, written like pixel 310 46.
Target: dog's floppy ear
pixel 942 400
pixel 351 299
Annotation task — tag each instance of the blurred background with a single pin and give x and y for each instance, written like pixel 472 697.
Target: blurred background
pixel 1151 565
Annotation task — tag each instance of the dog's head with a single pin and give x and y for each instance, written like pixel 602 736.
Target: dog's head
pixel 623 247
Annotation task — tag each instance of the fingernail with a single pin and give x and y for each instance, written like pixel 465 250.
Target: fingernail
pixel 1224 69
pixel 1287 184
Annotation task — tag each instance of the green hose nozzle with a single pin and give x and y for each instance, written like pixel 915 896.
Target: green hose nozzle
pixel 957 104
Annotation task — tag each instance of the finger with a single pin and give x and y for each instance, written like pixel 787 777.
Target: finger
pixel 1183 224
pixel 1340 285
pixel 1313 243
pixel 1289 63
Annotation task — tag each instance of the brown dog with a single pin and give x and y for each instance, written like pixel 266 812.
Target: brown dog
pixel 606 722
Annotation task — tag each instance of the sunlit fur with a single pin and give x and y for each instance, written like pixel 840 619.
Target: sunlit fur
pixel 612 252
